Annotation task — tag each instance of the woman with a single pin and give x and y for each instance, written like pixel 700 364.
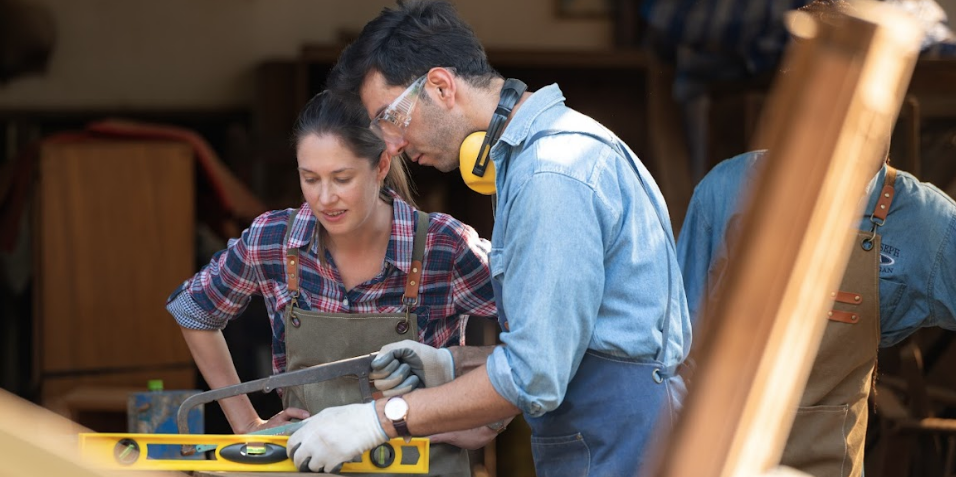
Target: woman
pixel 334 274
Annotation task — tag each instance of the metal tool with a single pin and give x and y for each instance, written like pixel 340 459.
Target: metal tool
pixel 238 453
pixel 359 367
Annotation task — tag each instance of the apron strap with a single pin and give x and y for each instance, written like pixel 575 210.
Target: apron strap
pixel 886 196
pixel 882 207
pixel 414 280
pixel 291 259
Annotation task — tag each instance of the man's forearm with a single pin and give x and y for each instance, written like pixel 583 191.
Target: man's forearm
pixel 467 358
pixel 465 403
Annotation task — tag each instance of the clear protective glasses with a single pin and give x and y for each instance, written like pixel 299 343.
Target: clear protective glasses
pixel 391 123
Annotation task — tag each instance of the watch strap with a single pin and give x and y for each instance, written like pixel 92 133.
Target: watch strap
pixel 402 428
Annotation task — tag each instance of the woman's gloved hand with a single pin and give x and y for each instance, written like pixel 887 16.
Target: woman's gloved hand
pixel 401 367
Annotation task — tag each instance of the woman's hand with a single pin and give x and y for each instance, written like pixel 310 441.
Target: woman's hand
pixel 472 438
pixel 283 417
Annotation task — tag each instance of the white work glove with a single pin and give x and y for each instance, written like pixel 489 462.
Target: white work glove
pixel 400 367
pixel 334 436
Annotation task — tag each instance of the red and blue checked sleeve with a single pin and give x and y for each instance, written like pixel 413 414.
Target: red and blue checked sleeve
pixel 471 281
pixel 221 290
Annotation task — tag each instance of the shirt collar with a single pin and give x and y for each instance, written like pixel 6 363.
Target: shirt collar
pixel 400 244
pixel 303 228
pixel 536 104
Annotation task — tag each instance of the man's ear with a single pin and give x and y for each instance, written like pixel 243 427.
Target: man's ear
pixel 445 85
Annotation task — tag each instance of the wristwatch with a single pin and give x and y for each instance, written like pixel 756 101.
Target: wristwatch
pixel 396 410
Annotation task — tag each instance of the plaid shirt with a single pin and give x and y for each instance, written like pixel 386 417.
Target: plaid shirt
pixel 455 279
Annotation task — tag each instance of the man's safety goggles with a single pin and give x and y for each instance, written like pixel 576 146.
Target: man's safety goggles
pixel 391 123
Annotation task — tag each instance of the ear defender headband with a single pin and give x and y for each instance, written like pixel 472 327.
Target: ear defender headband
pixel 475 165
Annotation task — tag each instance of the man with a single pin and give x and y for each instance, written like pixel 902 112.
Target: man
pixel 589 293
pixel 901 277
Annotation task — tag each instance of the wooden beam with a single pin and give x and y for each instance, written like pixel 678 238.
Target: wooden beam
pixel 822 126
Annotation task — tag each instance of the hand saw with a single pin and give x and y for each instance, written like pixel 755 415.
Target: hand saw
pixel 359 367
pixel 240 453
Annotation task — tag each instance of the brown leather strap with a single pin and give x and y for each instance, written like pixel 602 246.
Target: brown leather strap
pixel 414 280
pixel 291 258
pixel 848 298
pixel 886 195
pixel 844 316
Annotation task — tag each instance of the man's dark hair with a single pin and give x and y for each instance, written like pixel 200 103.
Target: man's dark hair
pixel 406 42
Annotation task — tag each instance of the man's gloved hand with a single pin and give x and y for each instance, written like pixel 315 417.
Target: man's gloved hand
pixel 400 367
pixel 334 436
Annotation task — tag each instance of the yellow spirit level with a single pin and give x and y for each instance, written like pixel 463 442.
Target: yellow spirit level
pixel 247 452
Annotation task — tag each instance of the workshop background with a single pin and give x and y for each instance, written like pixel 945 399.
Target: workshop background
pixel 139 135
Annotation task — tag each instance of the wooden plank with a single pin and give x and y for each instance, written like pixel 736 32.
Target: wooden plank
pixel 844 88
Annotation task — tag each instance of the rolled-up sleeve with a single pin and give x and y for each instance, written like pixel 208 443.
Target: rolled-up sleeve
pixel 551 270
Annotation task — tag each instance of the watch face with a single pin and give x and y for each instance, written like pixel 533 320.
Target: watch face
pixel 396 408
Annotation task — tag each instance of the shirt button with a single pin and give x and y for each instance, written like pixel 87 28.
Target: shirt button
pixel 345 302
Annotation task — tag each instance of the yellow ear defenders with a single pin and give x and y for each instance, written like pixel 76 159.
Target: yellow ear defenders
pixel 476 167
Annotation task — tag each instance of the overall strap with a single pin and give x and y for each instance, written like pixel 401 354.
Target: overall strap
pixel 291 259
pixel 414 280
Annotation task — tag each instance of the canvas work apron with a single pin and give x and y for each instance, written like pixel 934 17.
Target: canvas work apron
pixel 313 338
pixel 830 427
pixel 608 414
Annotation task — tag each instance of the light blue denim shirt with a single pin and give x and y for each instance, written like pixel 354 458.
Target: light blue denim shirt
pixel 917 257
pixel 582 253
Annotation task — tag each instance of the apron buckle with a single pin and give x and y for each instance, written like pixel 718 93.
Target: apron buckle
pixel 402 326
pixel 656 374
pixel 290 310
pixel 867 243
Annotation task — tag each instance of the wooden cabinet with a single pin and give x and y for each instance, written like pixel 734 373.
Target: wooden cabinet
pixel 115 235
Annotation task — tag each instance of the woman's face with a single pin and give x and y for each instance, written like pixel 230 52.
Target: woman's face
pixel 341 188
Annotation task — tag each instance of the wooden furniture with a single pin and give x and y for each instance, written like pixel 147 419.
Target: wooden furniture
pixel 913 439
pixel 114 237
